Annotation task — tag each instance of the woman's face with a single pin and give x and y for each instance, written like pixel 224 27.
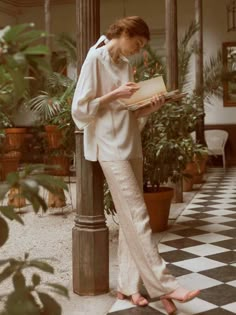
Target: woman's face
pixel 131 45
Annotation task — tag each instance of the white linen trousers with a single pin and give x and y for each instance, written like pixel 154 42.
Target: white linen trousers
pixel 138 254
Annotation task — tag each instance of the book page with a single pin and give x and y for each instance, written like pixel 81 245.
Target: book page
pixel 147 89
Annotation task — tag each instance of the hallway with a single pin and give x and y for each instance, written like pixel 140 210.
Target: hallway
pixel 200 249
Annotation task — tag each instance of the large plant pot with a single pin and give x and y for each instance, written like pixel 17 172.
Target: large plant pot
pixel 9 162
pixel 158 206
pixel 198 178
pixel 63 163
pixel 14 138
pixel 54 136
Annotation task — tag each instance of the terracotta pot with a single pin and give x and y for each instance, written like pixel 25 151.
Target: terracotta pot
pixel 9 162
pixel 14 138
pixel 54 136
pixel 63 162
pixel 187 184
pixel 198 178
pixel 192 170
pixel 15 198
pixel 158 206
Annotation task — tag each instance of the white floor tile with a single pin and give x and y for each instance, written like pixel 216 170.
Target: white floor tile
pixel 212 228
pixel 183 218
pixel 222 206
pixel 205 250
pixel 217 219
pixel 195 281
pixel 165 248
pixel 170 237
pixel 230 307
pixel 232 283
pixel 199 264
pixel 198 200
pixel 194 206
pixel 193 307
pixel 121 305
pixel 187 212
pixel 210 238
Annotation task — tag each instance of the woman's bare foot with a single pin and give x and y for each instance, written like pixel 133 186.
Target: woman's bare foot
pixel 136 299
pixel 181 294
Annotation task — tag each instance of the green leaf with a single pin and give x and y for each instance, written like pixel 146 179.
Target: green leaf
pixel 36 279
pixel 41 265
pixel 50 306
pixel 4 188
pixel 4 231
pixel 9 212
pixel 18 281
pixel 36 50
pixel 59 289
pixel 6 273
pixel 4 262
pixel 29 37
pixel 14 31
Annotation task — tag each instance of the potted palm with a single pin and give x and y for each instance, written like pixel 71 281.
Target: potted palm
pixel 21 59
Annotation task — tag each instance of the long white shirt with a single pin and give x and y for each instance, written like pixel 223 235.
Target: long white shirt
pixel 111 132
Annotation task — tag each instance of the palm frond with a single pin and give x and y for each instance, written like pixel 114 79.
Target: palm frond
pixel 213 75
pixel 68 46
pixel 185 52
pixel 46 105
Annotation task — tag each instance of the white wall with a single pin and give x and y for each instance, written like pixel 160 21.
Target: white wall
pixel 153 11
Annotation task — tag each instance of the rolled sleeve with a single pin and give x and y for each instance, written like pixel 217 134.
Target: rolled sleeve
pixel 86 102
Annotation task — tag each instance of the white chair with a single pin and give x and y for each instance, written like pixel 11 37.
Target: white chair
pixel 215 140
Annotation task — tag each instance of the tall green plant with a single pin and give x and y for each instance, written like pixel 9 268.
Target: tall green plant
pixel 28 298
pixel 21 60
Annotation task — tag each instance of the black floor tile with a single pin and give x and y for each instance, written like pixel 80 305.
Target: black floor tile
pixel 189 232
pixel 223 274
pixel 194 223
pixel 219 295
pixel 200 215
pixel 229 244
pixel 138 311
pixel 230 233
pixel 177 255
pixel 233 215
pixel 226 257
pixel 182 243
pixel 204 209
pixel 231 223
pixel 177 271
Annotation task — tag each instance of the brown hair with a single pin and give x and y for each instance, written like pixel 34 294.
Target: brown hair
pixel 131 25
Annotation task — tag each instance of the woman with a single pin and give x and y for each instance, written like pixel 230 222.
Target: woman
pixel 112 136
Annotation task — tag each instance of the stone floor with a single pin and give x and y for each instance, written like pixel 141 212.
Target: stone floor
pixel 199 247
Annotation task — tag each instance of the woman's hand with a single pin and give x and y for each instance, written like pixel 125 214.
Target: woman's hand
pixel 126 90
pixel 157 101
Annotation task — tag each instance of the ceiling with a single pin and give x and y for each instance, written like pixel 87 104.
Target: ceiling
pixel 34 3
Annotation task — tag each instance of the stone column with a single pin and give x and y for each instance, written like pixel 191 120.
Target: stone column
pixel 172 66
pixel 200 137
pixel 171 44
pixel 90 234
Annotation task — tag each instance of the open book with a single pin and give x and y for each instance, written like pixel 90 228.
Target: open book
pixel 147 90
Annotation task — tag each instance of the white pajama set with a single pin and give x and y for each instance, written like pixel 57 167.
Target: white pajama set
pixel 112 137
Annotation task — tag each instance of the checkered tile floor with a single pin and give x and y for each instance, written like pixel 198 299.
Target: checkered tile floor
pixel 200 249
